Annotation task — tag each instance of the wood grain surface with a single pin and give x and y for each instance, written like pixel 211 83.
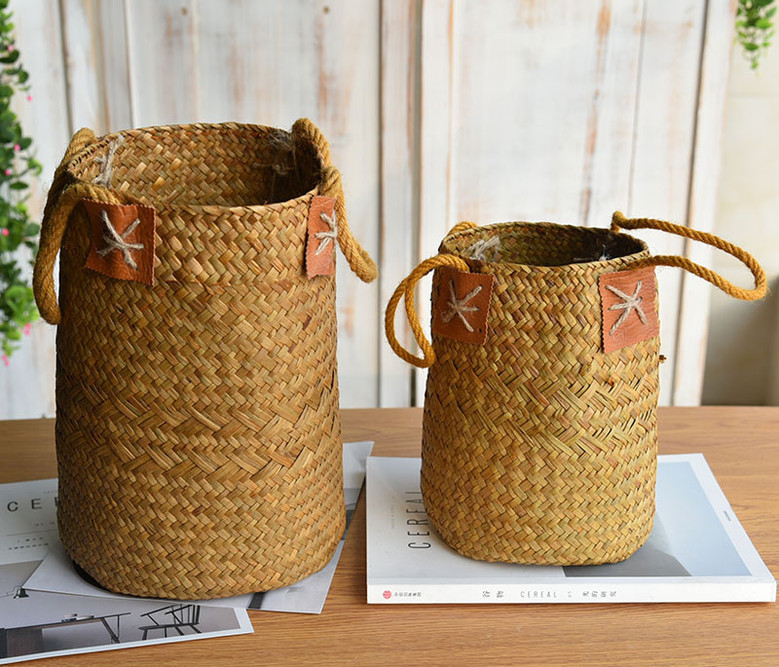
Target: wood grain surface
pixel 740 445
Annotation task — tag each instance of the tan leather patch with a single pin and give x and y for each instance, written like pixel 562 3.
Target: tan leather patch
pixel 322 237
pixel 628 307
pixel 123 238
pixel 462 305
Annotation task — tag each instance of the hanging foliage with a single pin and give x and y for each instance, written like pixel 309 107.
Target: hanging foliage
pixel 755 28
pixel 18 233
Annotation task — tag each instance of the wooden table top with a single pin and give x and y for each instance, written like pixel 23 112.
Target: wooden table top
pixel 740 444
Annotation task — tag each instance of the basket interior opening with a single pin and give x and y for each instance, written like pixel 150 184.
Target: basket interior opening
pixel 222 165
pixel 543 244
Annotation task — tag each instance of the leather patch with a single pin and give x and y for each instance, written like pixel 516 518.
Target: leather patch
pixel 628 307
pixel 462 305
pixel 122 240
pixel 322 237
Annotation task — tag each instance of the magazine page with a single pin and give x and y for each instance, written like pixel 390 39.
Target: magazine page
pixel 698 551
pixel 35 624
pixel 57 573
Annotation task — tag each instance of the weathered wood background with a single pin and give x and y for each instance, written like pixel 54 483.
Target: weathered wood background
pixel 436 110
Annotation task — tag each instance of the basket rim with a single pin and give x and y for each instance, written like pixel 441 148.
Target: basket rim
pixel 133 133
pixel 584 266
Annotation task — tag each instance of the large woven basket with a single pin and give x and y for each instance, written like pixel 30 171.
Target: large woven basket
pixel 198 430
pixel 540 430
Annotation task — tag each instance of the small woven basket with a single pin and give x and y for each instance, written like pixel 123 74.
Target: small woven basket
pixel 198 430
pixel 539 437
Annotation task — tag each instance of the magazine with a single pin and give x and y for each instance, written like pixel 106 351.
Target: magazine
pixel 697 551
pixel 36 625
pixel 57 574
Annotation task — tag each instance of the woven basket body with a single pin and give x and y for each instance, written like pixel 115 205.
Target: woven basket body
pixel 539 440
pixel 198 431
pixel 537 447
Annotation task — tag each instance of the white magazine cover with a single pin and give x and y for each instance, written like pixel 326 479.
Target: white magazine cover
pixel 57 573
pixel 38 625
pixel 697 551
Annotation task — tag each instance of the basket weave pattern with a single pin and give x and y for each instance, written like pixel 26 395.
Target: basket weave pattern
pixel 538 448
pixel 198 431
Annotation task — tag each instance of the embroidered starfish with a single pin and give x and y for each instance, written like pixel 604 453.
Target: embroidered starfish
pixel 459 306
pixel 115 241
pixel 480 249
pixel 628 303
pixel 328 236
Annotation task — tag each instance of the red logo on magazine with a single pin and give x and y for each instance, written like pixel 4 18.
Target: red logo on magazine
pixel 386 595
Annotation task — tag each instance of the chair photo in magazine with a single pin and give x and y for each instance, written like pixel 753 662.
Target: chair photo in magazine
pixel 172 617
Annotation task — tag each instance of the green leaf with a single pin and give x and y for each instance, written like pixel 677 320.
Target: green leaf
pixel 751 46
pixel 10 57
pixel 32 229
pixel 764 24
pixel 19 185
pixel 25 143
pixel 15 293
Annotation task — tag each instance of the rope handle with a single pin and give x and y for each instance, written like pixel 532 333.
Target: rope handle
pixel 619 221
pixel 407 286
pixel 406 290
pixel 331 186
pixel 64 195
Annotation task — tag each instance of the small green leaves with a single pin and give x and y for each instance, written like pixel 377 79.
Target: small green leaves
pixel 754 28
pixel 18 233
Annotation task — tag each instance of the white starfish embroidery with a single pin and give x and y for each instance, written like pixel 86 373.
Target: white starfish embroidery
pixel 459 306
pixel 115 241
pixel 628 303
pixel 328 236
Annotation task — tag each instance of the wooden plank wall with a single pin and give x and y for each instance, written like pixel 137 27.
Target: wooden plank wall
pixel 436 110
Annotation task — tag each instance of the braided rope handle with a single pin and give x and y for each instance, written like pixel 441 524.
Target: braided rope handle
pixel 64 195
pixel 619 221
pixel 407 286
pixel 406 290
pixel 331 186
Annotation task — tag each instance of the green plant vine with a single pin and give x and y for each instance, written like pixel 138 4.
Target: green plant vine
pixel 18 233
pixel 754 28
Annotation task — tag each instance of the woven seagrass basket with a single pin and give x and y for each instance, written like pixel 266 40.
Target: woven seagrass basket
pixel 539 437
pixel 198 430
